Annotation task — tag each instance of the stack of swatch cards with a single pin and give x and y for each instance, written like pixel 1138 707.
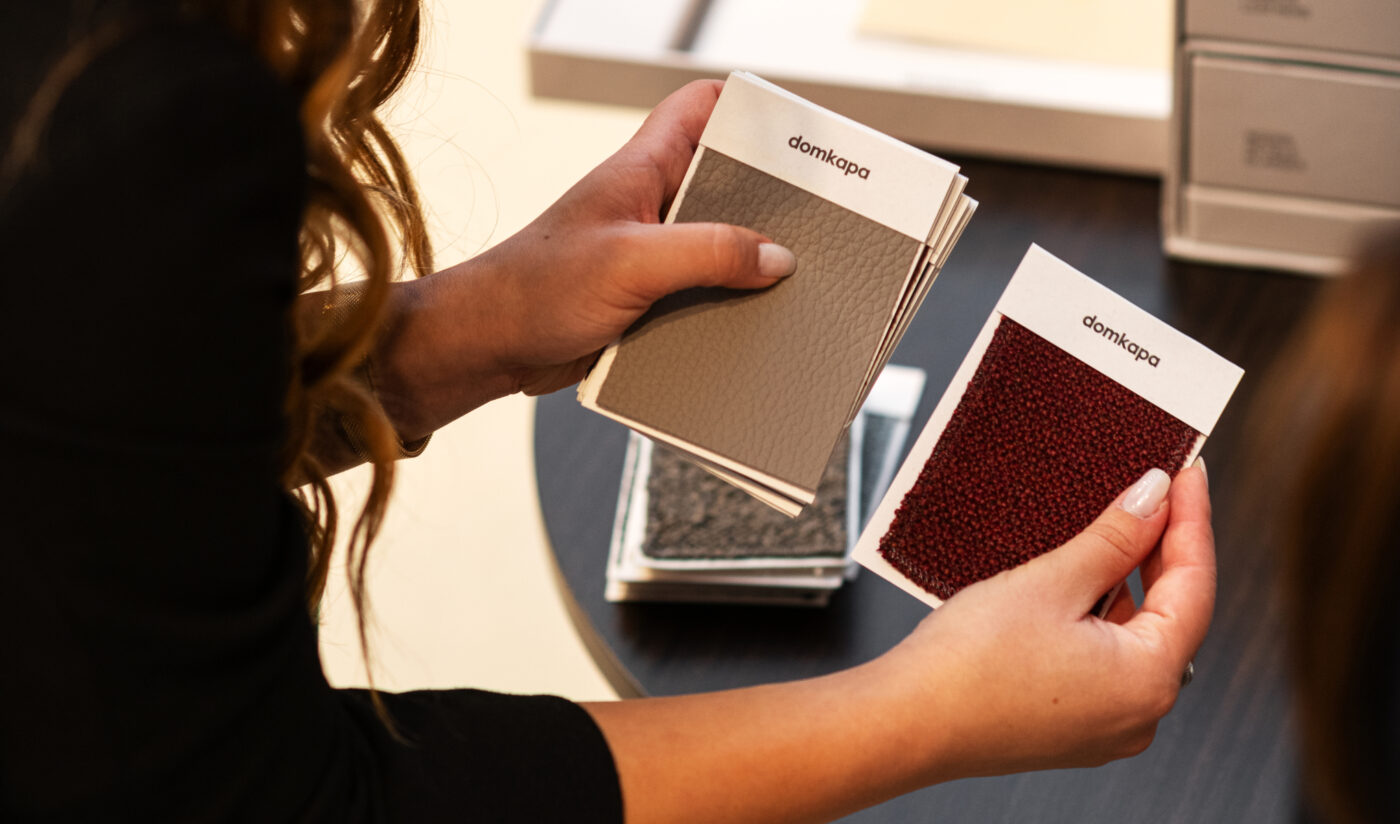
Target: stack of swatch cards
pixel 759 386
pixel 1068 395
pixel 683 534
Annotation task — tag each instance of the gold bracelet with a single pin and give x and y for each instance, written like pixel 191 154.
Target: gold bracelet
pixel 407 449
pixel 351 428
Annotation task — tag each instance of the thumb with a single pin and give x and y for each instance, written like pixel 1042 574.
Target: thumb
pixel 669 257
pixel 1110 548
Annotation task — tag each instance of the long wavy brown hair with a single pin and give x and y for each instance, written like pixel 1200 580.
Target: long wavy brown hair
pixel 363 226
pixel 343 59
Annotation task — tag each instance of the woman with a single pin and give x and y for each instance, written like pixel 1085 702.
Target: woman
pixel 181 182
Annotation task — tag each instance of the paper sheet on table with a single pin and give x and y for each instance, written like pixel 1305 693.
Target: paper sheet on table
pixel 1135 34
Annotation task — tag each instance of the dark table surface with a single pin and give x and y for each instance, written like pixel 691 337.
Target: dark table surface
pixel 1224 754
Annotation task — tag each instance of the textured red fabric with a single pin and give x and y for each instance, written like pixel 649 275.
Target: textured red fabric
pixel 1039 444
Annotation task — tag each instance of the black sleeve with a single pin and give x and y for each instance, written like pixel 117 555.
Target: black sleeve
pixel 159 662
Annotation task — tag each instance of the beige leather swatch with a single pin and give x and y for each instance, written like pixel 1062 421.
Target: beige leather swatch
pixel 765 378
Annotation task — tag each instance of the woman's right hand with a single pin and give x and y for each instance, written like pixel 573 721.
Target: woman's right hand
pixel 1015 673
pixel 1012 673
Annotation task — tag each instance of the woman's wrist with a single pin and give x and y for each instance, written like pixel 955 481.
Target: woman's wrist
pixel 436 357
pixel 903 689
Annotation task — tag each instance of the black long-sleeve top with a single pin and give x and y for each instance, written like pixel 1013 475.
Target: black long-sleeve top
pixel 158 661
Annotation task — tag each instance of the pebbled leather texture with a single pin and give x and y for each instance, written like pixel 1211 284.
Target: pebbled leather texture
pixel 766 378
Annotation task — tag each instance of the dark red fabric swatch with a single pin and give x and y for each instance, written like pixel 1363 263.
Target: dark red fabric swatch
pixel 1039 444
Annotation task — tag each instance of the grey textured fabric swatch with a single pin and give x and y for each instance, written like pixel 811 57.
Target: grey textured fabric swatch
pixel 693 514
pixel 771 380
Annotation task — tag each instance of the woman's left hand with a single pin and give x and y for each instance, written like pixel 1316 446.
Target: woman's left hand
pixel 599 257
pixel 532 313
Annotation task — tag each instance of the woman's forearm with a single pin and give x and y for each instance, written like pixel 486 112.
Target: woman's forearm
pixel 803 751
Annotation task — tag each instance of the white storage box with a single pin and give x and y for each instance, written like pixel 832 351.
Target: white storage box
pixel 1356 26
pixel 1038 109
pixel 1278 160
pixel 1286 128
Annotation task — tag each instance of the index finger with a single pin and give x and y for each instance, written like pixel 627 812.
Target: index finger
pixel 1178 604
pixel 669 135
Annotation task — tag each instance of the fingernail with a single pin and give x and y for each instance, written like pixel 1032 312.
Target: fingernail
pixel 1144 497
pixel 1201 462
pixel 775 261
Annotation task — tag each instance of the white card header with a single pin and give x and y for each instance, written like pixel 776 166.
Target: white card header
pixel 1105 331
pixel 831 156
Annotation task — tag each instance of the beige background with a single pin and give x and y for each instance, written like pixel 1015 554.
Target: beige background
pixel 1134 33
pixel 461 580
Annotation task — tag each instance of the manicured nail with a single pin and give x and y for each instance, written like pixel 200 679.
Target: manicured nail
pixel 1201 462
pixel 775 261
pixel 1143 497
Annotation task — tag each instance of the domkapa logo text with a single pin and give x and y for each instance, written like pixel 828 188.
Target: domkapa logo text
pixel 850 167
pixel 1132 347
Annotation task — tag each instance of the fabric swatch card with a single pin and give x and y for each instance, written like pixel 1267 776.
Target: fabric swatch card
pixel 757 387
pixel 682 534
pixel 1068 395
